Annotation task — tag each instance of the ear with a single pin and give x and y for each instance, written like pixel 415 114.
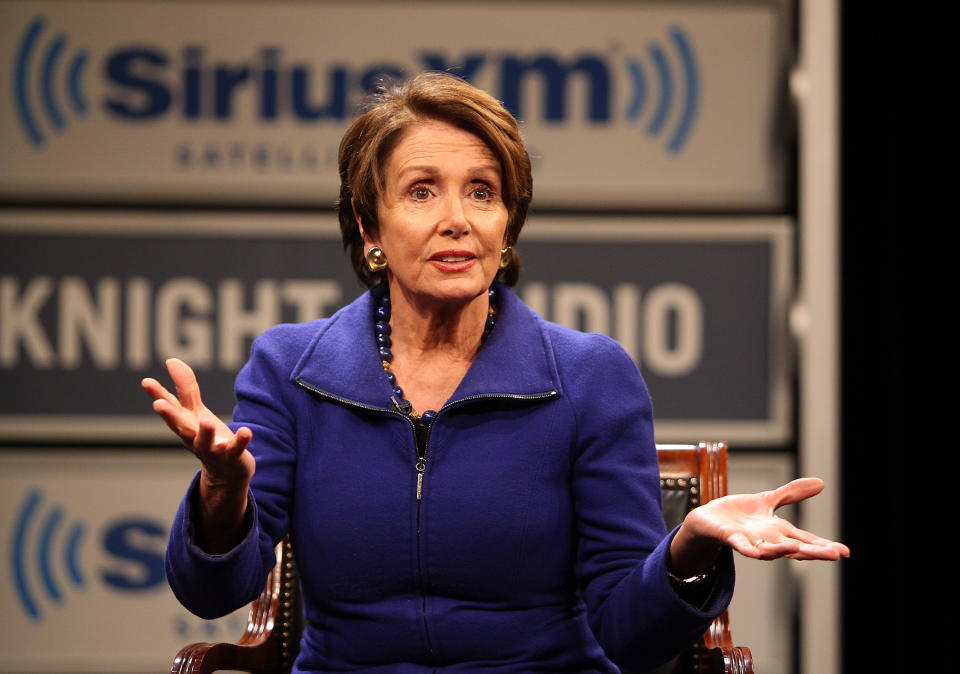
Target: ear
pixel 356 216
pixel 363 232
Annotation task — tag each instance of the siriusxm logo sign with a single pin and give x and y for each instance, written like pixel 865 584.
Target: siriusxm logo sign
pixel 659 92
pixel 46 550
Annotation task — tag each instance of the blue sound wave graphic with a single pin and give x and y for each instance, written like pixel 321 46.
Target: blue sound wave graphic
pixel 670 88
pixel 666 91
pixel 47 74
pixel 20 559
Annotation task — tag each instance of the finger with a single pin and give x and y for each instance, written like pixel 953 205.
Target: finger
pixel 739 542
pixel 157 391
pixel 841 548
pixel 240 440
pixel 206 440
pixel 178 420
pixel 809 538
pixel 775 550
pixel 795 491
pixel 830 550
pixel 216 439
pixel 188 390
pixel 170 411
pixel 762 548
pixel 809 552
pixel 237 444
pixel 789 529
pixel 168 407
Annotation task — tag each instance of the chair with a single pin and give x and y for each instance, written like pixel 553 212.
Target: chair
pixel 689 475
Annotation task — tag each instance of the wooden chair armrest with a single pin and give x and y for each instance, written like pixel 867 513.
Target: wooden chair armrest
pixel 201 658
pixel 720 649
pixel 255 652
pixel 701 660
pixel 737 660
pixel 268 644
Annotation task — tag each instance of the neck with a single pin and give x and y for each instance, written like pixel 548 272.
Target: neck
pixel 452 329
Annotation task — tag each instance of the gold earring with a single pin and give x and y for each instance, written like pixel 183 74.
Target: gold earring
pixel 506 257
pixel 376 260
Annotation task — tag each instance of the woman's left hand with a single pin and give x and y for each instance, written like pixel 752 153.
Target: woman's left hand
pixel 747 523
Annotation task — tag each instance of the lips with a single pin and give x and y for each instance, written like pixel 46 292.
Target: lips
pixel 453 260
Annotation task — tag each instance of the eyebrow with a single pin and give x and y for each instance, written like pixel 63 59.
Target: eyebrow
pixel 430 170
pixel 433 170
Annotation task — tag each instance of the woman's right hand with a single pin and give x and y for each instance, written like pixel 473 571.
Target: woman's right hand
pixel 227 464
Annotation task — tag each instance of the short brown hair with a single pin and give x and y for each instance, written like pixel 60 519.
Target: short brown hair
pixel 367 144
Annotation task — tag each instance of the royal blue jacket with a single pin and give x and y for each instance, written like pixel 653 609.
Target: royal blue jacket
pixel 537 543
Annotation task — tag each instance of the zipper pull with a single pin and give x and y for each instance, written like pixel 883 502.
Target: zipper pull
pixel 421 466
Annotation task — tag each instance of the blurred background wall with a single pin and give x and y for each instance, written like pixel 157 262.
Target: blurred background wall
pixel 712 189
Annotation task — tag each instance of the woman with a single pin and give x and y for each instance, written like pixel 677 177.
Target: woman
pixel 500 510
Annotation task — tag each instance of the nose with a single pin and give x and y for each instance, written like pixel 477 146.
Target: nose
pixel 453 220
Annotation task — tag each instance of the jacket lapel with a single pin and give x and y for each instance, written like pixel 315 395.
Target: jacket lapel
pixel 342 360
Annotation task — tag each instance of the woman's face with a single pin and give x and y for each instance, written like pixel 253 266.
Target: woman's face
pixel 442 218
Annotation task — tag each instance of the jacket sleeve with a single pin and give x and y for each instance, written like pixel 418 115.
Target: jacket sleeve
pixel 209 585
pixel 636 615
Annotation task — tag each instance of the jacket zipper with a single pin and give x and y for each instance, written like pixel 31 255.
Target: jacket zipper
pixel 421 438
pixel 421 465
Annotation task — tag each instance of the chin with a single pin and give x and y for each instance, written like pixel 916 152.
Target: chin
pixel 457 291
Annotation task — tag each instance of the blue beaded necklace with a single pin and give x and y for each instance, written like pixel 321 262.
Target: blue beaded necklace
pixel 381 328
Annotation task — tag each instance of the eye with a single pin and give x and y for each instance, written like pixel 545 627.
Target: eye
pixel 420 193
pixel 482 193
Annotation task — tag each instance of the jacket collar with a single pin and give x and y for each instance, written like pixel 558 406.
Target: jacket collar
pixel 516 360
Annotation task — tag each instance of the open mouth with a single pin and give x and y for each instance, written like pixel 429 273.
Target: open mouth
pixel 453 260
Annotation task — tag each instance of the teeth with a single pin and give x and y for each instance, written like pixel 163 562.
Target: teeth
pixel 454 259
